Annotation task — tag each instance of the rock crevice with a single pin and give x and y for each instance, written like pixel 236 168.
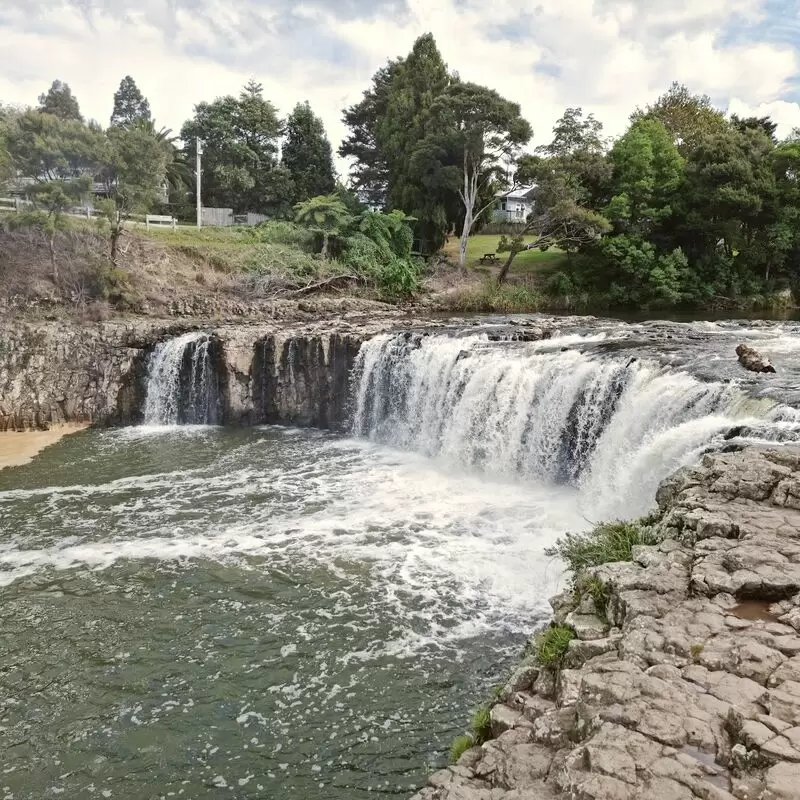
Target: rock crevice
pixel 687 684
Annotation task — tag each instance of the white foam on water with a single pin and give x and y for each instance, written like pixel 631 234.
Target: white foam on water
pixel 612 427
pixel 425 534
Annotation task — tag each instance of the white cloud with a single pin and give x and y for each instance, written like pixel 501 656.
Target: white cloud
pixel 605 55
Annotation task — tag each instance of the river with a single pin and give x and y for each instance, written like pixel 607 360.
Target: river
pixel 195 611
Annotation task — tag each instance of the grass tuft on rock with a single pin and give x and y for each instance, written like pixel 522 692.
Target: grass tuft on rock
pixel 460 746
pixel 593 587
pixel 552 644
pixel 482 725
pixel 607 543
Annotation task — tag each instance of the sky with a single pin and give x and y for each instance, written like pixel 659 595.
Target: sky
pixel 607 56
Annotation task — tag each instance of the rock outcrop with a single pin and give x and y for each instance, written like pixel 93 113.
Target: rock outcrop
pixel 753 360
pixel 269 372
pixel 52 373
pixel 687 684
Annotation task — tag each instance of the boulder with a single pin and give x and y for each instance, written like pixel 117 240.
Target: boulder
pixel 753 360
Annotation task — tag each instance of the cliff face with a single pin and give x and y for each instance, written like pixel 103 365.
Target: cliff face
pixel 52 373
pixel 687 685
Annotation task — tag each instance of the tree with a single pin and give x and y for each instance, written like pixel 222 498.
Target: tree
pixel 46 148
pixel 688 117
pixel 240 136
pixel 130 104
pixel 178 173
pixel 387 128
pixel 59 101
pixel 728 206
pixel 8 118
pixel 326 216
pixel 562 216
pixel 648 171
pixel 369 174
pixel 485 130
pixel 764 124
pixel 56 198
pixel 572 133
pixel 135 177
pixel 307 154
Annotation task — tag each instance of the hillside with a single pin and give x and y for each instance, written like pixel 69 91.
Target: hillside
pixel 213 272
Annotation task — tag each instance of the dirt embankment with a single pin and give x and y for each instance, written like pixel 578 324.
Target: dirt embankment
pixel 160 275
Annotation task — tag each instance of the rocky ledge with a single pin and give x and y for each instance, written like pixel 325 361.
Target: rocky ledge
pixel 687 684
pixel 270 370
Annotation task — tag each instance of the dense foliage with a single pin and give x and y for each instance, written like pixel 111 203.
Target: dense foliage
pixel 427 143
pixel 686 207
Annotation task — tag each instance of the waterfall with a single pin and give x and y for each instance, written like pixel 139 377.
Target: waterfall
pixel 612 427
pixel 182 383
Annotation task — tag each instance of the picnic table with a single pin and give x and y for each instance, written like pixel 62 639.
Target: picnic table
pixel 489 258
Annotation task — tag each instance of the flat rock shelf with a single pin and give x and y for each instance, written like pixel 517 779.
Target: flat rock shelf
pixel 690 688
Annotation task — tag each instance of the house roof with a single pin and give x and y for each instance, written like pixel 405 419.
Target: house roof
pixel 518 193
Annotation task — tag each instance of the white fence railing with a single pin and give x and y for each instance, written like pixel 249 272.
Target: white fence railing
pixel 17 204
pixel 160 220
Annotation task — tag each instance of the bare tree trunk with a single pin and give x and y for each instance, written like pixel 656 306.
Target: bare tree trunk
pixel 116 232
pixel 52 243
pixel 325 246
pixel 462 245
pixel 504 270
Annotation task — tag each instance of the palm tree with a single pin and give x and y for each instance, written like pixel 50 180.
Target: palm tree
pixel 179 175
pixel 325 215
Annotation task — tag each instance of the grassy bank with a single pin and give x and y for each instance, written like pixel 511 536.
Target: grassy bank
pixel 525 263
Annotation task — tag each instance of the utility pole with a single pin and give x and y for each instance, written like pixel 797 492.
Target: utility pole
pixel 199 174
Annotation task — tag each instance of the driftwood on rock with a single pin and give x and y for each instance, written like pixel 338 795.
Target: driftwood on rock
pixel 751 359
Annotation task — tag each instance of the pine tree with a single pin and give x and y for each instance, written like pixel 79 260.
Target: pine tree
pixel 307 154
pixel 129 104
pixel 59 101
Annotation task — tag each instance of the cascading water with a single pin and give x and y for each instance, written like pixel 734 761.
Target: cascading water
pixel 613 427
pixel 182 383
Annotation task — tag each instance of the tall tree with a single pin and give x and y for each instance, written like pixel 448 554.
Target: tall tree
pixel 369 175
pixel 729 205
pixel 417 82
pixel 240 136
pixel 307 154
pixel 47 148
pixel 573 133
pixel 485 130
pixel 59 101
pixel 648 171
pixel 387 127
pixel 688 117
pixel 130 104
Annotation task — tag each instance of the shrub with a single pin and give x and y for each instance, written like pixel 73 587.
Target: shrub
pixel 608 542
pixel 489 297
pixel 460 746
pixel 552 644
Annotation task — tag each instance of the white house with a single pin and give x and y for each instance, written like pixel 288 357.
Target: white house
pixel 514 206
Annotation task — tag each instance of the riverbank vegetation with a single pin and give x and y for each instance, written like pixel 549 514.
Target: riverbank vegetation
pixel 687 208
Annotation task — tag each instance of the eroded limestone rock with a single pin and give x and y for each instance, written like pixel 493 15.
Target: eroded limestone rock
pixel 695 693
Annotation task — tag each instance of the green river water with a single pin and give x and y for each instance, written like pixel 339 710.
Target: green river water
pixel 205 612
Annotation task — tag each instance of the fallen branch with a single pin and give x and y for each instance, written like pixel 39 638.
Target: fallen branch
pixel 327 283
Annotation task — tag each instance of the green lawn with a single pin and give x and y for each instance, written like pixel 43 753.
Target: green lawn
pixel 525 262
